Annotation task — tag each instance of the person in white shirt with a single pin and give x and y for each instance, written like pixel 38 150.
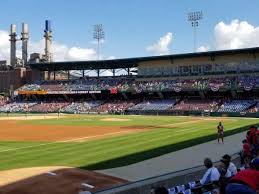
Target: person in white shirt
pixel 230 165
pixel 212 173
pixel 223 169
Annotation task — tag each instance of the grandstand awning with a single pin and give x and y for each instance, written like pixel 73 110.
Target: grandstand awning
pixel 131 62
pixel 86 65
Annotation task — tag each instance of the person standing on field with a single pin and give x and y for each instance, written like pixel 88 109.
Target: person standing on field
pixel 220 132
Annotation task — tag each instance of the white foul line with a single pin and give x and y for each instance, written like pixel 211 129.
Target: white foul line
pixel 65 141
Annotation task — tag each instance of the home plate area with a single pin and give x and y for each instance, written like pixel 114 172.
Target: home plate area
pixel 55 180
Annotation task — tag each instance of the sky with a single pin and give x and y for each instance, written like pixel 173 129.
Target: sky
pixel 133 28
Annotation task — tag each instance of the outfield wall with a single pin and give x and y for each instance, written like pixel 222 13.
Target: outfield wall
pixel 168 180
pixel 194 113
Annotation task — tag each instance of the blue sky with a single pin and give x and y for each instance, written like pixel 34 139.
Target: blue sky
pixel 130 26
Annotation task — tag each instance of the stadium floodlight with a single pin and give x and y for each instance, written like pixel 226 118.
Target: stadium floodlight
pixel 99 36
pixel 194 18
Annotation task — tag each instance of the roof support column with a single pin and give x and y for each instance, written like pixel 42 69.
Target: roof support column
pixel 113 72
pixel 48 74
pixel 68 75
pixel 54 75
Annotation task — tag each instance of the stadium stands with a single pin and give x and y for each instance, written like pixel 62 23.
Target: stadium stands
pixel 128 85
pixel 125 84
pixel 81 107
pixel 117 106
pixel 3 100
pixel 44 107
pixel 153 105
pixel 236 106
pixel 192 105
pixel 17 107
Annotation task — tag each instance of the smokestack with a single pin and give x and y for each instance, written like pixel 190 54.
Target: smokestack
pixel 13 45
pixel 25 38
pixel 48 40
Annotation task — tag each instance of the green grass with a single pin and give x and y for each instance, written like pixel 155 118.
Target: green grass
pixel 168 134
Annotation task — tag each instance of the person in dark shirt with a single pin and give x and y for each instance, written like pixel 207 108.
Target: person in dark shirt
pixel 160 190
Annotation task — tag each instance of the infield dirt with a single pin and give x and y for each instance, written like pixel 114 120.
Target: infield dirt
pixel 16 131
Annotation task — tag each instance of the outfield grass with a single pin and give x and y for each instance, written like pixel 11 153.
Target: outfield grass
pixel 168 134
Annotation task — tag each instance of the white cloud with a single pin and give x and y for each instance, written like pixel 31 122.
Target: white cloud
pixel 77 53
pixel 162 45
pixel 111 57
pixel 236 34
pixel 4 45
pixel 203 48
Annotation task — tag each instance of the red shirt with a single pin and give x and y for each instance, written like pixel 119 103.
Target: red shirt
pixel 249 177
pixel 246 149
pixel 252 136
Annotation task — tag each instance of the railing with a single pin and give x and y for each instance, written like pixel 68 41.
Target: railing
pixel 168 180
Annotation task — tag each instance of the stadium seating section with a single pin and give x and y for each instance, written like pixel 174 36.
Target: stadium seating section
pixel 236 106
pixel 153 105
pixel 206 105
pixel 124 84
pixel 131 85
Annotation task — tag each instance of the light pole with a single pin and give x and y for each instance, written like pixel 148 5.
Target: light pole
pixel 194 18
pixel 99 36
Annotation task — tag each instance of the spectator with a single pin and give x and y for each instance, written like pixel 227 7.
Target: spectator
pixel 160 190
pixel 223 169
pixel 246 181
pixel 246 152
pixel 212 173
pixel 225 175
pixel 252 135
pixel 229 165
pixel 256 141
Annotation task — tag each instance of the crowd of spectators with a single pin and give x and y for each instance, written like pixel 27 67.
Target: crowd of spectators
pixel 153 105
pixel 86 84
pixel 81 107
pixel 46 107
pixel 192 105
pixel 17 107
pixel 3 100
pixel 118 106
pixel 124 84
pixel 226 178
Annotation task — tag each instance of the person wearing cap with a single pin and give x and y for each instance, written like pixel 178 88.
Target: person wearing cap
pixel 245 181
pixel 231 167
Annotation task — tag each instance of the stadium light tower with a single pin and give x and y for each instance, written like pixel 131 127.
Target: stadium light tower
pixel 194 18
pixel 99 36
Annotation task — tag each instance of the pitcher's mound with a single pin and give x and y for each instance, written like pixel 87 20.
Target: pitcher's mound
pixel 54 180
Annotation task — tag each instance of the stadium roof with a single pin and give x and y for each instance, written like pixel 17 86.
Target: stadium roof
pixel 130 62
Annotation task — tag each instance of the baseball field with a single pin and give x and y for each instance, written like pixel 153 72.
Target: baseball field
pixel 93 142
